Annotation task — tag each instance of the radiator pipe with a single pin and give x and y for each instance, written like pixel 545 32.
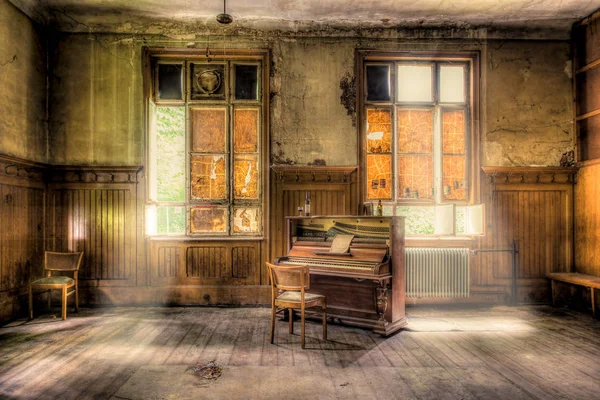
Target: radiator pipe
pixel 514 251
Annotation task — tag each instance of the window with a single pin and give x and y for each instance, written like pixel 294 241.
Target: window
pixel 206 145
pixel 418 135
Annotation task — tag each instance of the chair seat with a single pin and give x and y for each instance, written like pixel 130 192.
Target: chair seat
pixel 296 297
pixel 54 280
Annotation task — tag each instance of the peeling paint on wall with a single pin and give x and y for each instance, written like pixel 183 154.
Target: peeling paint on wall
pixel 348 97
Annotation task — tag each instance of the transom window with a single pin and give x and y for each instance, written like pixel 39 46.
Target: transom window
pixel 417 135
pixel 206 140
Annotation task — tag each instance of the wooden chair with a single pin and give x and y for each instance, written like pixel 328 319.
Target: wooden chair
pixel 61 262
pixel 288 289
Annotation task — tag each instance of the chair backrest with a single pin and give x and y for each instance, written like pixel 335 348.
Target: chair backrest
pixel 55 261
pixel 293 278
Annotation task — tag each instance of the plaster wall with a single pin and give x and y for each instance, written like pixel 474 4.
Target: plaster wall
pixel 97 97
pixel 23 130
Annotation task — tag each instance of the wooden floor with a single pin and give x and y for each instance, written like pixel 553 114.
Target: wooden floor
pixel 146 353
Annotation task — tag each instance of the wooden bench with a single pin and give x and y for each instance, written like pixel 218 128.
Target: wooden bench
pixel 589 281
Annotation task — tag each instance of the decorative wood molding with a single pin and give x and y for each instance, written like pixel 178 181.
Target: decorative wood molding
pixel 94 174
pixel 21 168
pixel 529 175
pixel 313 174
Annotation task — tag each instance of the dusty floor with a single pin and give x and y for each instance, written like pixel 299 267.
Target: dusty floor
pixel 149 353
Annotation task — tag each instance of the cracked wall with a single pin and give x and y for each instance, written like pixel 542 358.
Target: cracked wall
pixel 23 130
pixel 97 97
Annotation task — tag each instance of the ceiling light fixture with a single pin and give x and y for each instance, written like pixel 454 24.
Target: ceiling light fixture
pixel 224 18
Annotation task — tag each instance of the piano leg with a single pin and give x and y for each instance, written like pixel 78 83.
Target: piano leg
pixel 382 300
pixel 291 318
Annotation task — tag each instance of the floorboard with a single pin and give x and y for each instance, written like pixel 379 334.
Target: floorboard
pixel 527 352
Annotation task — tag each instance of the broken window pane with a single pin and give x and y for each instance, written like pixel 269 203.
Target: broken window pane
pixel 170 154
pixel 378 83
pixel 208 219
pixel 452 84
pixel 453 131
pixel 208 179
pixel 245 181
pixel 209 130
pixel 415 131
pixel 379 175
pixel 245 130
pixel 415 176
pixel 454 182
pixel 170 81
pixel 245 220
pixel 246 82
pixel 170 220
pixel 379 131
pixel 414 83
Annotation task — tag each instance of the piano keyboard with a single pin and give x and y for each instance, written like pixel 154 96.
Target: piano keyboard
pixel 329 264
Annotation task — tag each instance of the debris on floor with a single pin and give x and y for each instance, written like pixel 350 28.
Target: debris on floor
pixel 209 370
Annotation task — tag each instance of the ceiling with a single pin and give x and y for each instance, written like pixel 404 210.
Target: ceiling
pixel 121 15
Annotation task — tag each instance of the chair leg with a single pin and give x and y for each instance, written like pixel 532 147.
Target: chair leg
pixel 64 303
pixel 302 328
pixel 76 298
pixel 291 317
pixel 49 299
pixel 324 323
pixel 30 302
pixel 272 322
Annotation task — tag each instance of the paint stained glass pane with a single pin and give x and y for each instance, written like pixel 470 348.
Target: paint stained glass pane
pixel 245 171
pixel 208 130
pixel 246 220
pixel 414 83
pixel 452 84
pixel 455 184
pixel 379 175
pixel 208 179
pixel 415 131
pixel 415 177
pixel 245 130
pixel 453 131
pixel 210 219
pixel 379 131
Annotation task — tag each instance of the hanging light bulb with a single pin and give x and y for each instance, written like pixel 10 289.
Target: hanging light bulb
pixel 224 18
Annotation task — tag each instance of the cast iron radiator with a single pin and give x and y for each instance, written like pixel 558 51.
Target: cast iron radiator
pixel 437 272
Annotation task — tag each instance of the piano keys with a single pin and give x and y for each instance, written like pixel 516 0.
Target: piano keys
pixel 365 287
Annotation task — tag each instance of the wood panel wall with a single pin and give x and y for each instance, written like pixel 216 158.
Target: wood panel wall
pixel 533 206
pixel 333 191
pixel 21 230
pixel 587 218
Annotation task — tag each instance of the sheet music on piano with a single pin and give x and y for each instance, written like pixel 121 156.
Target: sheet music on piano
pixel 339 246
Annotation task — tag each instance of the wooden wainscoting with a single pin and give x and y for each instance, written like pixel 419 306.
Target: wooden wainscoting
pixel 94 210
pixel 534 206
pixel 21 231
pixel 333 191
pixel 587 218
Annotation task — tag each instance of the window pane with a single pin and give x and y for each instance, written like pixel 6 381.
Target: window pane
pixel 246 82
pixel 455 184
pixel 379 131
pixel 245 130
pixel 208 179
pixel 245 172
pixel 452 84
pixel 415 131
pixel 245 220
pixel 453 131
pixel 208 130
pixel 208 81
pixel 378 83
pixel 169 81
pixel 170 153
pixel 170 220
pixel 414 83
pixel 415 177
pixel 418 221
pixel 379 175
pixel 459 220
pixel 209 219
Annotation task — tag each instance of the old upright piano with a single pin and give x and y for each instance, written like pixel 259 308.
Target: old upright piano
pixel 365 285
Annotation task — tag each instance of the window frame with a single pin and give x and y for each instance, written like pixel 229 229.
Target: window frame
pixel 152 57
pixel 471 60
